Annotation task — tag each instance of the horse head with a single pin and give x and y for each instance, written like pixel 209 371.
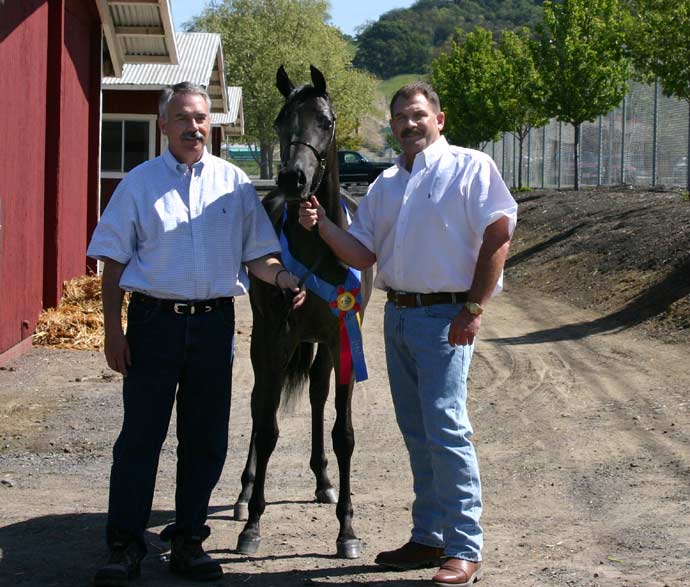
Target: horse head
pixel 306 130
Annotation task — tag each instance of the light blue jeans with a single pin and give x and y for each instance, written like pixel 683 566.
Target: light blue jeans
pixel 428 380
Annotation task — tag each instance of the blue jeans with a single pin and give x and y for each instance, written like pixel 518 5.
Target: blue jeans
pixel 428 380
pixel 188 358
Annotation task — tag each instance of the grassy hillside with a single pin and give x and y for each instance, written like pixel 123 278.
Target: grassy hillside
pixel 406 40
pixel 388 87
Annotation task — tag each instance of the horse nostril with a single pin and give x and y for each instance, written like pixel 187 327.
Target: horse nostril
pixel 301 179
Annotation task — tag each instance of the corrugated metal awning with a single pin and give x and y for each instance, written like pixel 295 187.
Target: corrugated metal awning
pixel 200 62
pixel 232 121
pixel 138 31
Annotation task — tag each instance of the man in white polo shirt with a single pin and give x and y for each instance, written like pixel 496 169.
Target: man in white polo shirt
pixel 180 233
pixel 438 224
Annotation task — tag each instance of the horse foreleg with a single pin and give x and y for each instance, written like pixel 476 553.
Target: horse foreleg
pixel 319 382
pixel 265 403
pixel 241 509
pixel 348 545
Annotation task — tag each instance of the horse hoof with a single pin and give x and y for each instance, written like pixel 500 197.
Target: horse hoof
pixel 248 545
pixel 351 548
pixel 241 511
pixel 326 496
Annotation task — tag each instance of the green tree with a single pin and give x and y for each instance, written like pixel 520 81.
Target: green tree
pixel 469 81
pixel 660 48
pixel 582 58
pixel 523 92
pixel 260 35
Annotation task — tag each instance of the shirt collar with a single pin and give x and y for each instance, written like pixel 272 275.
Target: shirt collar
pixel 174 165
pixel 427 157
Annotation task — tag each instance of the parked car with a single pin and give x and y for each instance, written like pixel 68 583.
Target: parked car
pixel 356 168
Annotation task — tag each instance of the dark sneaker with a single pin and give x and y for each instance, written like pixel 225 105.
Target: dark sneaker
pixel 123 565
pixel 411 556
pixel 188 559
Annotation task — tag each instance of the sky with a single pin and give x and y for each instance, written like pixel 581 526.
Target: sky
pixel 347 15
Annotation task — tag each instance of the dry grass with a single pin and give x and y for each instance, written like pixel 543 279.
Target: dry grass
pixel 77 323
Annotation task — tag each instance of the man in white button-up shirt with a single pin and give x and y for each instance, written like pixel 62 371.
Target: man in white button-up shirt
pixel 180 233
pixel 438 224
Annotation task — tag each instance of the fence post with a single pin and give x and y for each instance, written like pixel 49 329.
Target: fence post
pixel 503 155
pixel 623 114
pixel 687 157
pixel 529 157
pixel 560 153
pixel 543 156
pixel 655 128
pixel 600 155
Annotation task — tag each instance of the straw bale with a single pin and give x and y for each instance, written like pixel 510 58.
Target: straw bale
pixel 77 322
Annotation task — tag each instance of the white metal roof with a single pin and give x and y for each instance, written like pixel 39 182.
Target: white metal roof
pixel 233 120
pixel 200 62
pixel 138 31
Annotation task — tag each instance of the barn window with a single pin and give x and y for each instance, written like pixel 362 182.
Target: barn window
pixel 125 143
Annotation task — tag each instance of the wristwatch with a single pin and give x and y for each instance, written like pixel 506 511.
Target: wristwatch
pixel 474 308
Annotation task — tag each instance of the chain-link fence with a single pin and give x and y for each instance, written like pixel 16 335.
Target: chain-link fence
pixel 642 142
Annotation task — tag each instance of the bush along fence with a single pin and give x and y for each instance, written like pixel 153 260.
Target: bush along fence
pixel 644 142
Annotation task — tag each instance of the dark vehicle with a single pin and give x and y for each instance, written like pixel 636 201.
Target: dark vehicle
pixel 356 168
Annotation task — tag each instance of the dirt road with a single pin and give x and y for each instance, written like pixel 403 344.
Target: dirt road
pixel 583 437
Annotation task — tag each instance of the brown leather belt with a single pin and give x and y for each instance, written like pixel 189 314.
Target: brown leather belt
pixel 415 300
pixel 183 307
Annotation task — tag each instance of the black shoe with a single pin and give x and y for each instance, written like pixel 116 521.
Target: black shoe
pixel 123 565
pixel 188 559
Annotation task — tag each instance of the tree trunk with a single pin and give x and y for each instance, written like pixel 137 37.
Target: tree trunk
pixel 577 155
pixel 266 165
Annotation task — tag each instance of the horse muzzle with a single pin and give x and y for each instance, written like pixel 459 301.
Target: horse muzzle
pixel 294 184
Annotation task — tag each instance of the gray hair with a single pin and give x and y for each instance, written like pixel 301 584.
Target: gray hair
pixel 411 90
pixel 181 88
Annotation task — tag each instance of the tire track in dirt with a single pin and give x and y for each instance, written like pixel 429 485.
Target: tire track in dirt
pixel 598 453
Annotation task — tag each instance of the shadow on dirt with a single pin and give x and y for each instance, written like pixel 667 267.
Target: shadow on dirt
pixel 543 246
pixel 66 550
pixel 652 302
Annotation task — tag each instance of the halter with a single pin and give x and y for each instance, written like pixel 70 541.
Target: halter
pixel 320 157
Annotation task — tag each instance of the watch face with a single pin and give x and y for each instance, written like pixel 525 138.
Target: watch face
pixel 474 308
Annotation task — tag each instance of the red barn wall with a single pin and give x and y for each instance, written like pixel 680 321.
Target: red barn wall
pixel 23 67
pixel 72 174
pixel 50 52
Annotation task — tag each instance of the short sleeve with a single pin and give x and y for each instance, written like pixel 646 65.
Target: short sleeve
pixel 362 227
pixel 258 236
pixel 489 197
pixel 115 236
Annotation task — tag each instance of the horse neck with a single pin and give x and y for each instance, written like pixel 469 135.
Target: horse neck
pixel 328 192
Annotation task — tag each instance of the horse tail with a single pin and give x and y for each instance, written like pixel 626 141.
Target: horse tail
pixel 298 372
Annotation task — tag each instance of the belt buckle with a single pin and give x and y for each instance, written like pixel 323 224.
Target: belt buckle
pixel 180 308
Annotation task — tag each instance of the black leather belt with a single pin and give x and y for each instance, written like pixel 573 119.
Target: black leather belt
pixel 184 307
pixel 415 300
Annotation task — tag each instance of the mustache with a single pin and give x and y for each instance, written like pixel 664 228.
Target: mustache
pixel 193 135
pixel 409 133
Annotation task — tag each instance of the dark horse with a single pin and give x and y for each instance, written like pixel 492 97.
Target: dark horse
pixel 282 342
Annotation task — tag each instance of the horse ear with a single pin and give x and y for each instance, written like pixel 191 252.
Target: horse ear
pixel 317 80
pixel 285 86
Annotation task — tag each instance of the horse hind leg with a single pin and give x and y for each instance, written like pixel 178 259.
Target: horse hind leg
pixel 348 545
pixel 319 382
